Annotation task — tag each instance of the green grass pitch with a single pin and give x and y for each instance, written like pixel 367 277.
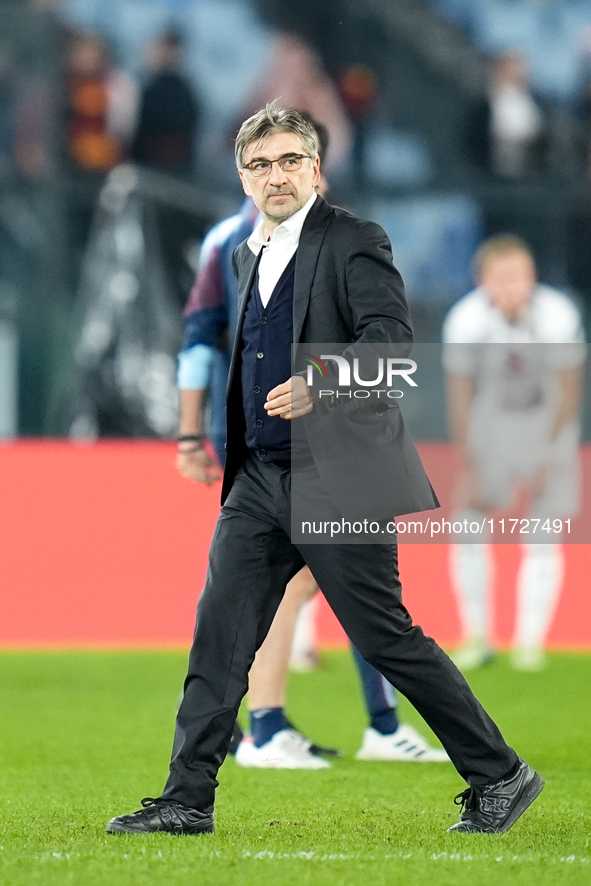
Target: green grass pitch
pixel 85 735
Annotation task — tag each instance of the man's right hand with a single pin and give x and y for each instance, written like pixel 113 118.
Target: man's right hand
pixel 198 466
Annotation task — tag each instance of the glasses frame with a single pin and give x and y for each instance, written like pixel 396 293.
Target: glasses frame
pixel 280 161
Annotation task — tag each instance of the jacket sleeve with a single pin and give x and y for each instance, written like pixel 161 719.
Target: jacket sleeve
pixel 206 312
pixel 375 291
pixel 378 310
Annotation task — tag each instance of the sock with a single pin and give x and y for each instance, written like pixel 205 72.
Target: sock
pixel 265 723
pixel 379 696
pixel 538 588
pixel 385 722
pixel 470 574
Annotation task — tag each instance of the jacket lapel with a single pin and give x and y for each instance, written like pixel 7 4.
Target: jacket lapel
pixel 247 271
pixel 311 239
pixel 247 263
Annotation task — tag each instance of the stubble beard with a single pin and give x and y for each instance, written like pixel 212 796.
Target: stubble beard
pixel 281 215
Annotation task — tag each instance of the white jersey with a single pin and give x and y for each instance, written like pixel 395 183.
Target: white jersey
pixel 514 366
pixel 511 361
pixel 550 318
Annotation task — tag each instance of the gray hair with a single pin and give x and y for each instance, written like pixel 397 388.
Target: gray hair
pixel 271 119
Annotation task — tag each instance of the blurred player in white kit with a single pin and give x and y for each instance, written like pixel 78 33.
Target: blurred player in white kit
pixel 513 355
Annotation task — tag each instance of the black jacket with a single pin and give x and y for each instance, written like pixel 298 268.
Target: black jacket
pixel 346 290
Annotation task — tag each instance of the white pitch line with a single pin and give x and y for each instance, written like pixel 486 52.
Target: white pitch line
pixel 313 855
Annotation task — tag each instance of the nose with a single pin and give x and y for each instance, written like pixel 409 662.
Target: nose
pixel 277 175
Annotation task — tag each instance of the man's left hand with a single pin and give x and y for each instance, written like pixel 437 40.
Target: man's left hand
pixel 290 400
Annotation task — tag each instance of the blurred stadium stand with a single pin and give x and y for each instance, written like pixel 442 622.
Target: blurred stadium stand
pixel 429 61
pixel 129 329
pixel 549 33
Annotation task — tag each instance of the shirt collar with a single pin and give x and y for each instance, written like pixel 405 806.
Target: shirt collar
pixel 291 228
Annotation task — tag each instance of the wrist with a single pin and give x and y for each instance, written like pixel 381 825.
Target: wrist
pixel 188 443
pixel 188 450
pixel 190 438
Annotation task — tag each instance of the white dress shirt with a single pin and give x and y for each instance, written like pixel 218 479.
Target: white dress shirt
pixel 277 249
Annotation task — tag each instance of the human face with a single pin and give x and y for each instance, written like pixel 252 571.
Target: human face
pixel 279 194
pixel 508 281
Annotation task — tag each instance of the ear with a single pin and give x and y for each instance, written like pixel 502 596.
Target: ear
pixel 245 186
pixel 316 171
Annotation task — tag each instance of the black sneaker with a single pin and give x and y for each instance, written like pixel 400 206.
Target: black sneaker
pixel 317 749
pixel 489 808
pixel 162 815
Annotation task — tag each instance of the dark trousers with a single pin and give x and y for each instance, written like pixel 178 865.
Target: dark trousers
pixel 251 561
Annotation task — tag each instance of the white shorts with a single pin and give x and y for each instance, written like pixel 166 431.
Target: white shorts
pixel 508 446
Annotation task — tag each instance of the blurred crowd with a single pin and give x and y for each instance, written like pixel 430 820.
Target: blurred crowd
pixel 121 98
pixel 87 86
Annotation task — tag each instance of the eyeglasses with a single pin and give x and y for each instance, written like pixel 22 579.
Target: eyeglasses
pixel 288 163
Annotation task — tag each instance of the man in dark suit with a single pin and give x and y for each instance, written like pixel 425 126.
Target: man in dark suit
pixel 311 273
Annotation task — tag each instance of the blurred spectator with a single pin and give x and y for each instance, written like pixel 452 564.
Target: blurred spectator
pixel 169 114
pixel 585 131
pixel 507 129
pixel 100 109
pixel 101 106
pixel 31 72
pixel 295 75
pixel 7 106
pixel 358 89
pixel 584 100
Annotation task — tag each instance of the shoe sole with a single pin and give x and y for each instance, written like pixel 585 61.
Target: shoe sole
pixel 116 828
pixel 249 763
pixel 278 764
